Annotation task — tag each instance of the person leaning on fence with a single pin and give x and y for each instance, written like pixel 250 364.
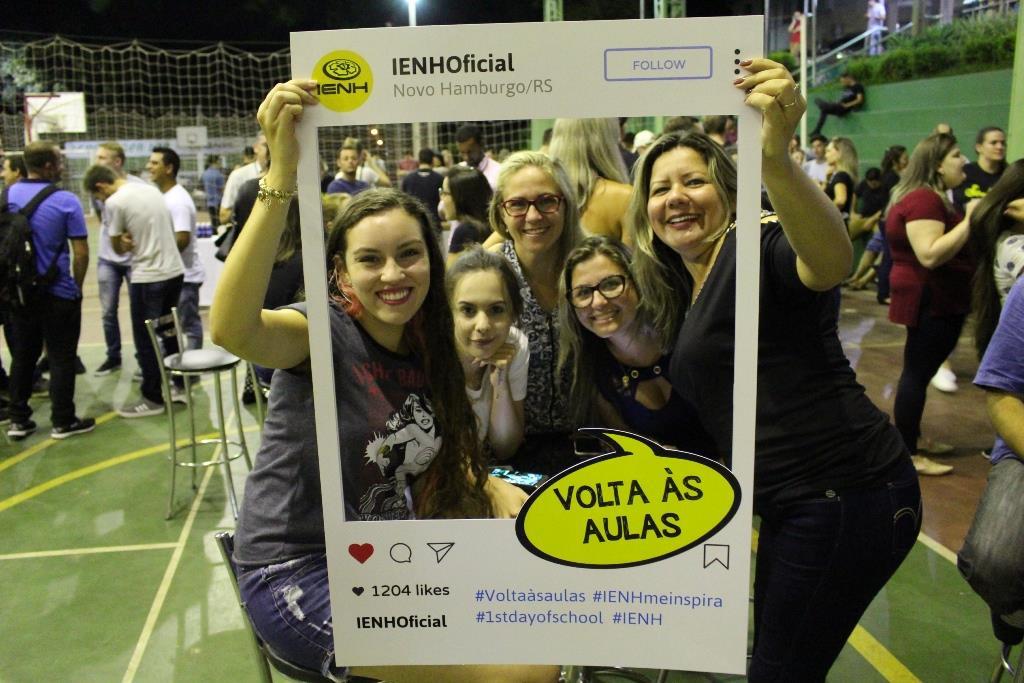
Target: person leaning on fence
pixel 54 314
pixel 387 303
pixel 838 497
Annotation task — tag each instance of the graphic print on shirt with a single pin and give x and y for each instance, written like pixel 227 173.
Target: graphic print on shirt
pixel 405 449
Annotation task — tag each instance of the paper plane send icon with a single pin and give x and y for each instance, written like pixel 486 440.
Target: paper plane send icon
pixel 440 550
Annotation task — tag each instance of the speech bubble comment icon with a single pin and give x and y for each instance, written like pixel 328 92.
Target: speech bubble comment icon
pixel 400 553
pixel 638 504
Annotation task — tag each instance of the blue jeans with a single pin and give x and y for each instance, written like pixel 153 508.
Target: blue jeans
pixel 151 300
pixel 188 313
pixel 992 559
pixel 110 276
pixel 290 607
pixel 820 562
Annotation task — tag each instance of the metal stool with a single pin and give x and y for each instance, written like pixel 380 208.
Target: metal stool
pixel 189 364
pixel 264 655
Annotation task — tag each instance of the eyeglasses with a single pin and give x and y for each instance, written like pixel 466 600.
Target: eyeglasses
pixel 519 207
pixel 610 287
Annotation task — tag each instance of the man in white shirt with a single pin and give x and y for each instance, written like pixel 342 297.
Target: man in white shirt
pixel 240 175
pixel 111 268
pixel 469 140
pixel 163 166
pixel 817 167
pixel 141 224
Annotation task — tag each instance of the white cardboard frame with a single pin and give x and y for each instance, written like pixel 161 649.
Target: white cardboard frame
pixel 595 69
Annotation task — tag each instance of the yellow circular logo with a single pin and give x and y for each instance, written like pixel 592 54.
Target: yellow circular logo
pixel 344 80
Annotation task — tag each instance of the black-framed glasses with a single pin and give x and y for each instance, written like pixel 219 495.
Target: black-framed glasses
pixel 610 287
pixel 519 206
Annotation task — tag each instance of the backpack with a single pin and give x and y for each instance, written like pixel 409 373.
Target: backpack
pixel 20 282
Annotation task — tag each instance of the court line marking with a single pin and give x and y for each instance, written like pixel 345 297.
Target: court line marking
pixel 165 584
pixel 46 443
pixel 939 549
pixel 71 552
pixel 30 493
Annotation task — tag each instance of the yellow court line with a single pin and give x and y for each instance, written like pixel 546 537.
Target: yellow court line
pixel 27 494
pixel 880 658
pixel 43 445
pixel 939 549
pixel 69 552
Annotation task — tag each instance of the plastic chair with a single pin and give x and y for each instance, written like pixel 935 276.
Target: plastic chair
pixel 189 364
pixel 264 655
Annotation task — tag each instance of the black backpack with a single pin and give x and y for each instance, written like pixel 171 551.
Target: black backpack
pixel 20 282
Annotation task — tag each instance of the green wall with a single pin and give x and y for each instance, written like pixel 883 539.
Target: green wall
pixel 904 113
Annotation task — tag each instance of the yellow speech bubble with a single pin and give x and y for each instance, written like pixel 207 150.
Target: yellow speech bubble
pixel 638 504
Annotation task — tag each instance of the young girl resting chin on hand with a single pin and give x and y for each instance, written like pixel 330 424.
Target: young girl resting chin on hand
pixel 485 300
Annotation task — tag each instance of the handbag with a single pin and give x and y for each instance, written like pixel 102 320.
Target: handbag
pixel 224 243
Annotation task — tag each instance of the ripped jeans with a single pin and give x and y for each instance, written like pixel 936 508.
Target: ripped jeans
pixel 290 606
pixel 820 563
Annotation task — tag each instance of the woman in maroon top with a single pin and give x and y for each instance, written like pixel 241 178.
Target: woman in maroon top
pixel 930 278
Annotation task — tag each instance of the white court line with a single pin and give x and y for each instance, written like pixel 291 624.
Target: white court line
pixel 87 551
pixel 165 584
pixel 937 547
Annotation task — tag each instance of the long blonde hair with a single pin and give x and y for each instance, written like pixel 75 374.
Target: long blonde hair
pixel 923 169
pixel 848 161
pixel 658 271
pixel 589 151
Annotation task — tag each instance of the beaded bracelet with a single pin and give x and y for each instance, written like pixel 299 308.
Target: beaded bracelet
pixel 268 195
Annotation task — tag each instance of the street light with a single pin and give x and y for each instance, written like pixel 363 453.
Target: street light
pixel 412 12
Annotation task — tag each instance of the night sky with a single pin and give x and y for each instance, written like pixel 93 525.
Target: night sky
pixel 269 21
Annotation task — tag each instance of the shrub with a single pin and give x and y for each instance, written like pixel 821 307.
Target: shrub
pixel 864 69
pixel 896 65
pixel 931 59
pixel 784 58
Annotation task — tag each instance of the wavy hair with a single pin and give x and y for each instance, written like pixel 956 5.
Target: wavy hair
pixel 571 233
pixel 848 160
pixel 578 347
pixel 988 222
pixel 892 157
pixel 589 151
pixel 453 485
pixel 663 282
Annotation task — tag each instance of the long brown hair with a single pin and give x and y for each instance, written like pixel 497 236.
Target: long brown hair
pixel 988 222
pixel 453 485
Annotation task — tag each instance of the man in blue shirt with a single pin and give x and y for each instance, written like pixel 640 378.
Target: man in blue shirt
pixel 213 186
pixel 55 317
pixel 346 180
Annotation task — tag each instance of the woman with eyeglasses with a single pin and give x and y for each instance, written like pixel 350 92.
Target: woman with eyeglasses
pixel 618 369
pixel 534 210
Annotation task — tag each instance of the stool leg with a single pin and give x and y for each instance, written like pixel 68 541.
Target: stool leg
pixel 224 446
pixel 238 416
pixel 192 427
pixel 169 407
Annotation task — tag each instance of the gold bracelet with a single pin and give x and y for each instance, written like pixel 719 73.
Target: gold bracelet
pixel 268 195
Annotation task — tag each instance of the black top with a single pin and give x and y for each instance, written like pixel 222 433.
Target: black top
pixel 465 235
pixel 816 428
pixel 850 94
pixel 841 178
pixel 285 282
pixel 871 200
pixel 976 186
pixel 424 184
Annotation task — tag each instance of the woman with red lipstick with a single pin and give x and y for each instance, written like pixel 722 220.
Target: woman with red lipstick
pixel 485 300
pixel 619 370
pixel 534 210
pixel 834 487
pixel 407 434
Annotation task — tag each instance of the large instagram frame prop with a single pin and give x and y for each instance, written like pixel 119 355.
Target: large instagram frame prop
pixel 672 592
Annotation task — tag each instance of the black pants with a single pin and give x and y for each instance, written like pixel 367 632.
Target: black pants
pixel 58 323
pixel 927 346
pixel 150 300
pixel 827 108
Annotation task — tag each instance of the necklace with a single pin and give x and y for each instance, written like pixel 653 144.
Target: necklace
pixel 711 263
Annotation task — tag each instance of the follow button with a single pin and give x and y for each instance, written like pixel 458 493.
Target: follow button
pixel 657 63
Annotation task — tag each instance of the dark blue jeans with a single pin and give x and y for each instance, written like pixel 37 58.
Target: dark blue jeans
pixel 58 323
pixel 820 562
pixel 151 300
pixel 110 276
pixel 290 606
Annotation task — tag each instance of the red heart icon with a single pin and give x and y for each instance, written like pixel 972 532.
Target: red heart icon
pixel 360 551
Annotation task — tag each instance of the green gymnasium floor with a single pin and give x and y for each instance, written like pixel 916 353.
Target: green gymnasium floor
pixel 96 586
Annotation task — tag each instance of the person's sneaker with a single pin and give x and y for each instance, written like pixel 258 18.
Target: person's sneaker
pixel 79 366
pixel 41 387
pixel 109 366
pixel 944 380
pixel 81 425
pixel 178 395
pixel 928 467
pixel 19 430
pixel 144 408
pixel 137 375
pixel 933 447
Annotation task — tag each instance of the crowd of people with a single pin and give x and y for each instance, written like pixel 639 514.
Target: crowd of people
pixel 505 304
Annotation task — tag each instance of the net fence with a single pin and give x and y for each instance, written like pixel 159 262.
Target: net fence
pixel 141 95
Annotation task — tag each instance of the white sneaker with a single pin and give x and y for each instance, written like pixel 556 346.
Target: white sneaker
pixel 144 408
pixel 944 380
